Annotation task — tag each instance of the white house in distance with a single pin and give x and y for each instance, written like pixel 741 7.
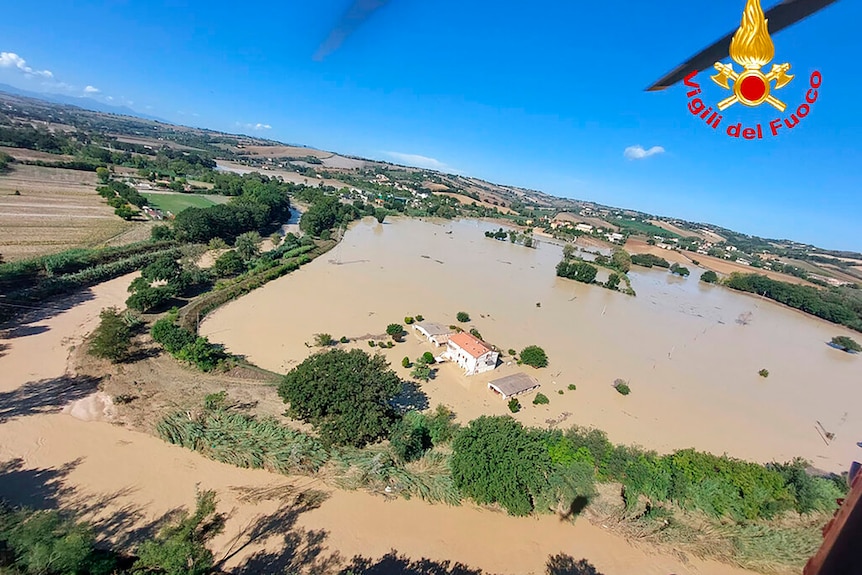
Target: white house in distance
pixel 433 332
pixel 471 353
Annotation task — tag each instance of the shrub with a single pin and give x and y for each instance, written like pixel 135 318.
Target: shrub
pixel 408 320
pixel 421 371
pixel 572 387
pixel 371 343
pixel 462 316
pixel 475 333
pixel 204 355
pixel 541 399
pixel 344 339
pixel 763 373
pixel 394 330
pixel 428 357
pixel 323 340
pixel 172 337
pixel 560 391
pixel 112 339
pixel 534 356
pixel 419 318
pixel 512 352
pixel 229 264
pixel 405 362
pixel 514 405
pixel 622 386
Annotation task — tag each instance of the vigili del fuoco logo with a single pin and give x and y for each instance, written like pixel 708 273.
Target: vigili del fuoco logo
pixel 751 48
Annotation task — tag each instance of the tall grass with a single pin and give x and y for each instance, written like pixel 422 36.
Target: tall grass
pixel 244 441
pixel 428 478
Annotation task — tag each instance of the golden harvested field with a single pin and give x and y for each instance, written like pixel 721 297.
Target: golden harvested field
pixel 285 151
pixel 709 237
pixel 56 210
pixel 24 154
pixel 468 200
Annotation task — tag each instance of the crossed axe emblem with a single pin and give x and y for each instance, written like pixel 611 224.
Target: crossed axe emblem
pixel 726 72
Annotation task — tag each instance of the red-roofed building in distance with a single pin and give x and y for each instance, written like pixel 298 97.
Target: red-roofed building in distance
pixel 471 353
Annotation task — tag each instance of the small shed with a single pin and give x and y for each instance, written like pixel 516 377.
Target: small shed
pixel 513 385
pixel 433 332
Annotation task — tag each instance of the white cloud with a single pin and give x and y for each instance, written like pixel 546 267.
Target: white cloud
pixel 13 60
pixel 418 161
pixel 258 127
pixel 639 153
pixel 91 90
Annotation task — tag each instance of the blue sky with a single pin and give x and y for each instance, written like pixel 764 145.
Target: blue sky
pixel 546 94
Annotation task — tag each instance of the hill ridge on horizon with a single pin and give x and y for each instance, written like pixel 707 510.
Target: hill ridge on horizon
pixel 551 202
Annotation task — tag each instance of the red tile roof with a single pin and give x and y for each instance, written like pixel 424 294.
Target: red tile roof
pixel 469 343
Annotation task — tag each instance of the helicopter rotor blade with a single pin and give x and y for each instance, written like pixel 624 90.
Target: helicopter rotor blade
pixel 781 16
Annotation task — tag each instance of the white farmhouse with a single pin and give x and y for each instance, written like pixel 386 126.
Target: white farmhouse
pixel 471 353
pixel 587 228
pixel 433 332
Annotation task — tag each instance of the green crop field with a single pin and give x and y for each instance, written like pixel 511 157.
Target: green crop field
pixel 644 228
pixel 175 203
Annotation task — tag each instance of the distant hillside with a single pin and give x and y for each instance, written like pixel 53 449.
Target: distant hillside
pixel 79 102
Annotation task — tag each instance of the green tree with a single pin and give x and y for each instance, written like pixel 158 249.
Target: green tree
pixel 568 251
pixel 405 362
pixel 146 297
pixel 541 399
pixel 103 174
pixel 514 405
pixel 428 357
pixel 534 356
pixel 621 260
pixel 679 270
pixel 846 343
pixel 462 316
pixel 161 232
pixel 577 270
pixel 48 543
pixel 125 212
pixel 112 339
pixel 709 277
pixel 613 281
pixel 496 460
pixel 247 245
pixel 229 264
pixel 180 547
pixel 164 268
pixel 346 395
pixel 394 330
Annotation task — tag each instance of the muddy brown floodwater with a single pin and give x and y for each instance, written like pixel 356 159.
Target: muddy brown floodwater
pixel 692 367
pixel 693 373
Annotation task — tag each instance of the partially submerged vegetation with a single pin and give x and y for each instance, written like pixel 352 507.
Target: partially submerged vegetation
pixel 837 305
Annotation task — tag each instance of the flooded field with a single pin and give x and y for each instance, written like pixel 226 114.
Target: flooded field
pixel 691 363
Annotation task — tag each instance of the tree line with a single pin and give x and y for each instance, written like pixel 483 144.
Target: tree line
pixel 834 305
